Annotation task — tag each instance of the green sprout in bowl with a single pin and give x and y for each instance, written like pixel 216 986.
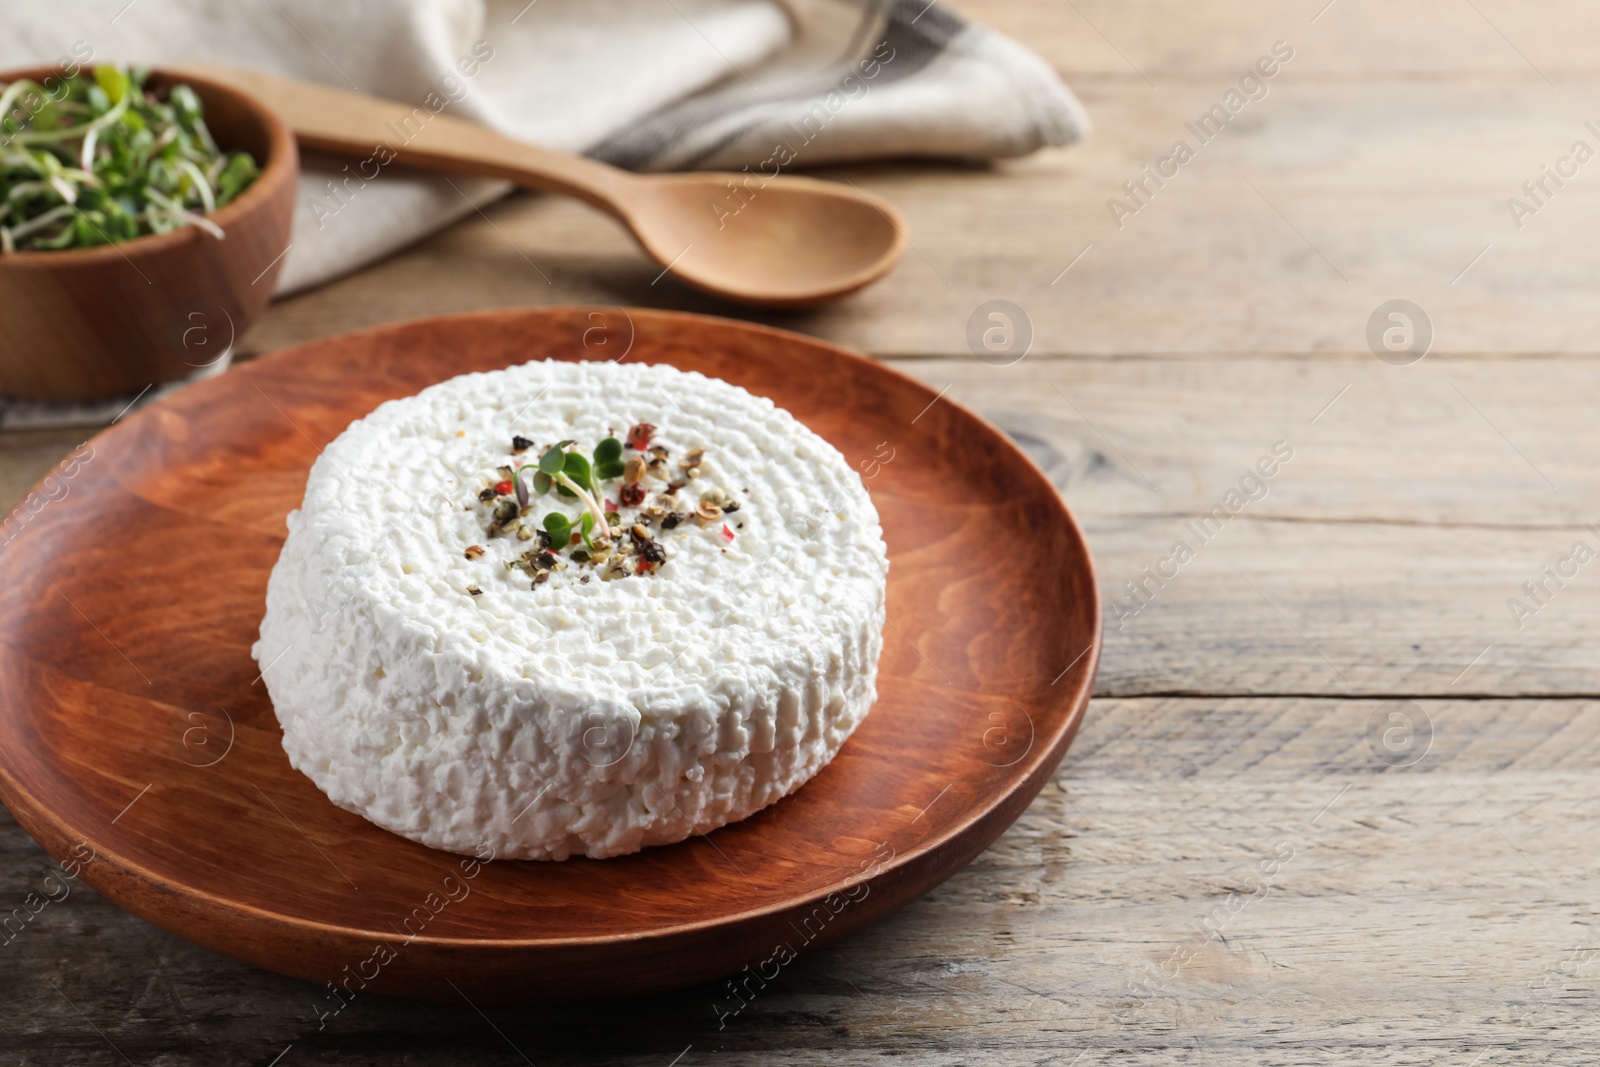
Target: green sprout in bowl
pixel 97 161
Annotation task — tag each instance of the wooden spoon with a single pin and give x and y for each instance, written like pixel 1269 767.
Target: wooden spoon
pixel 777 242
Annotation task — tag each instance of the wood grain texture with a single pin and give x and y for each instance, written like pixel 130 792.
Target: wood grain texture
pixel 1170 40
pixel 1409 926
pixel 101 322
pixel 132 726
pixel 1403 925
pixel 1381 559
pixel 1280 238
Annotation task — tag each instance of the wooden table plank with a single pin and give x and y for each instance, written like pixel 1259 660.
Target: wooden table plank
pixel 1281 236
pixel 1381 558
pixel 1287 898
pixel 1359 39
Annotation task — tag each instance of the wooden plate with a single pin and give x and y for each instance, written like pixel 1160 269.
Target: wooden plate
pixel 134 729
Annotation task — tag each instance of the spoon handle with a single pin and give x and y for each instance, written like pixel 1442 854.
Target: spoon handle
pixel 379 132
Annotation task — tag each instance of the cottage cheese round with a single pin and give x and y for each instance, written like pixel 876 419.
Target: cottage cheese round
pixel 443 667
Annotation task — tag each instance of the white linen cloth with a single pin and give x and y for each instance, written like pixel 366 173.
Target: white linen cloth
pixel 645 84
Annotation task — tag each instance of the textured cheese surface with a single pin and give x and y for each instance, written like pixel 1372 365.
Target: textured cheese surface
pixel 570 717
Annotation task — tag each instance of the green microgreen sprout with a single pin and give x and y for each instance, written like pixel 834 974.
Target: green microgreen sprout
pixel 577 472
pixel 570 474
pixel 608 464
pixel 88 161
pixel 573 477
pixel 559 527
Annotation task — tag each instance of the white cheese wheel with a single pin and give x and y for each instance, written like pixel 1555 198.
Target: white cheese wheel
pixel 459 703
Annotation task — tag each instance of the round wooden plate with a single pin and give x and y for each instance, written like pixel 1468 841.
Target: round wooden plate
pixel 138 743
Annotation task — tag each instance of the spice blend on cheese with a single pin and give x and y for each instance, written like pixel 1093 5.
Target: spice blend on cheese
pixel 614 545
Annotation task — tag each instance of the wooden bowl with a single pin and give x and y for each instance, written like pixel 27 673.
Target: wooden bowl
pixel 99 322
pixel 137 741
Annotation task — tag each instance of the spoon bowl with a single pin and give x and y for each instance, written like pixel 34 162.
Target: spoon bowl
pixel 785 243
pixel 775 242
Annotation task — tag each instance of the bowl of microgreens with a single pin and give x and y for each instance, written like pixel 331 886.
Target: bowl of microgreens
pixel 143 220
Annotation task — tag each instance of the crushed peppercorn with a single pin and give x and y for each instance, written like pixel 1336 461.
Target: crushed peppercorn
pixel 632 548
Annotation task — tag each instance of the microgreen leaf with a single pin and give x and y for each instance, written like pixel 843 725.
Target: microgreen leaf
pixel 551 461
pixel 184 102
pixel 239 172
pixel 586 527
pixel 559 527
pixel 610 470
pixel 577 468
pixel 114 82
pixel 540 481
pixel 607 451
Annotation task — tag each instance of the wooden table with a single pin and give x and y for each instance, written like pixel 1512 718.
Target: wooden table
pixel 1335 800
